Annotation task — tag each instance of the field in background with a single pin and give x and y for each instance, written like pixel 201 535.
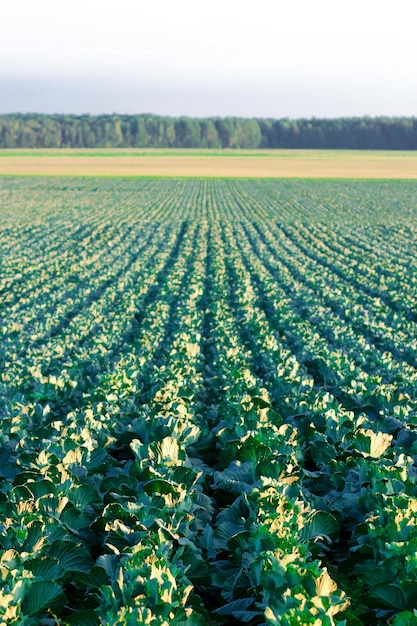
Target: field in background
pixel 208 402
pixel 205 163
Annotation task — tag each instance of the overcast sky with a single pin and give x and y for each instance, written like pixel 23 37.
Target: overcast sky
pixel 265 58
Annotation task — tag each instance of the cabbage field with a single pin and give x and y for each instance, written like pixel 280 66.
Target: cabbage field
pixel 208 402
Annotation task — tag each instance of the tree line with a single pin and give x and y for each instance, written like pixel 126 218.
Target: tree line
pixel 151 131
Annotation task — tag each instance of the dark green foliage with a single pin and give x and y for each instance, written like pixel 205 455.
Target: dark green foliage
pixel 152 131
pixel 208 402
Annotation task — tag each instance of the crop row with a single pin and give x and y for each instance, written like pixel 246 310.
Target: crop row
pixel 208 403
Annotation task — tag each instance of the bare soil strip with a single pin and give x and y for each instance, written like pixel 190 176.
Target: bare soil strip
pixel 283 164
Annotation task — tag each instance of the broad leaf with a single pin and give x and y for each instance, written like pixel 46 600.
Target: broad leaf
pixel 71 556
pixel 47 568
pixel 406 618
pixel 82 495
pixel 41 488
pixel 387 596
pixel 236 605
pixel 159 486
pixel 372 444
pixel 42 595
pixel 96 577
pixel 109 563
pixel 325 585
pixel 320 525
pixel 237 478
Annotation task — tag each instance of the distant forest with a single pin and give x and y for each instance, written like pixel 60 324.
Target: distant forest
pixel 152 131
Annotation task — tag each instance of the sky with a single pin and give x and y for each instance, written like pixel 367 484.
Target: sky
pixel 265 58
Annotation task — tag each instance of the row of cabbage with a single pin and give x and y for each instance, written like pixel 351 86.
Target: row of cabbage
pixel 33 202
pixel 208 408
